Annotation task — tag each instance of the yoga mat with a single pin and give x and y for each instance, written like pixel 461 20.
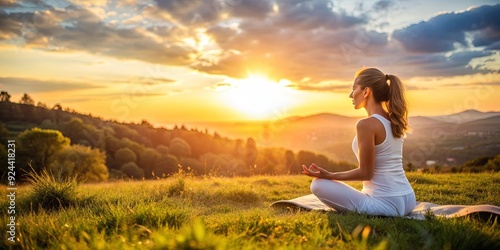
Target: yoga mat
pixel 311 202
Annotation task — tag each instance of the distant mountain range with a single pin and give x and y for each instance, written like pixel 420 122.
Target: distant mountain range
pixel 447 139
pixel 465 116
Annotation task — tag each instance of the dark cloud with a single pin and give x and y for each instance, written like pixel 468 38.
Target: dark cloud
pixel 222 34
pixel 20 85
pixel 196 13
pixel 487 37
pixel 464 57
pixel 10 25
pixel 248 8
pixel 442 32
pixel 439 64
pixel 292 14
pixel 313 14
pixel 190 12
pixel 383 5
pixel 494 46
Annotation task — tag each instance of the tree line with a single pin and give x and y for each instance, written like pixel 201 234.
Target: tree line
pixel 93 149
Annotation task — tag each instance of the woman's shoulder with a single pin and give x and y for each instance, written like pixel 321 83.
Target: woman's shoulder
pixel 368 123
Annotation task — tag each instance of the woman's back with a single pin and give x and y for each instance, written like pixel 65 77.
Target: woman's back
pixel 388 178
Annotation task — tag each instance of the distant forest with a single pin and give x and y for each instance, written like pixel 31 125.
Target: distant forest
pixel 73 144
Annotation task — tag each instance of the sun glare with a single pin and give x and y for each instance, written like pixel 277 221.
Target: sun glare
pixel 259 97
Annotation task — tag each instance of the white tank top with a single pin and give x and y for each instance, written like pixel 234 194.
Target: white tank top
pixel 389 178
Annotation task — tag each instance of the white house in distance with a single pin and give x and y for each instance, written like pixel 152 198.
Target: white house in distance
pixel 430 163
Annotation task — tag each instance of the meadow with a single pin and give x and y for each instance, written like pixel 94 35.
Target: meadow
pixel 209 212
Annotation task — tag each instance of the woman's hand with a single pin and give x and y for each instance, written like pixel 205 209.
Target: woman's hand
pixel 315 171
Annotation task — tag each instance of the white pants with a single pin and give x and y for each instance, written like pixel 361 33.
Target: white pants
pixel 343 198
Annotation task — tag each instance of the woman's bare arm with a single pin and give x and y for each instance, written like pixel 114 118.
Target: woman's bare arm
pixel 365 130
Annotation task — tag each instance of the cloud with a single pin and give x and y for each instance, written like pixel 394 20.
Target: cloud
pixel 283 39
pixel 446 31
pixel 21 85
pixel 247 8
pixel 220 86
pixel 153 81
pixel 293 54
pixel 324 87
pixel 189 12
pixel 383 5
pixel 77 29
pixel 275 39
pixel 125 94
pixel 121 96
pixel 302 39
pixel 9 27
pixel 8 3
pixel 439 64
pixel 494 46
pixel 314 14
pixel 488 83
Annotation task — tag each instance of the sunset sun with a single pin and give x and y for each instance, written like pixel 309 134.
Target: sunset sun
pixel 259 97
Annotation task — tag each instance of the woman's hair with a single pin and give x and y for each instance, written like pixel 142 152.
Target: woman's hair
pixel 387 89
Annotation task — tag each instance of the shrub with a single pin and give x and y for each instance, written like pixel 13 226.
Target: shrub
pixel 177 188
pixel 115 174
pixel 51 193
pixel 132 170
pixel 180 147
pixel 125 155
pixel 84 163
pixel 493 164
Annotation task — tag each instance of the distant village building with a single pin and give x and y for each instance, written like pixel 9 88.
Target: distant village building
pixel 430 163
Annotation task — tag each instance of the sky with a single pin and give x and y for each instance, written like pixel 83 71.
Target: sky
pixel 176 61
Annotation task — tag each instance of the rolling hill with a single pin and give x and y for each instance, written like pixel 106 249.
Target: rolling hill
pixel 448 139
pixel 465 116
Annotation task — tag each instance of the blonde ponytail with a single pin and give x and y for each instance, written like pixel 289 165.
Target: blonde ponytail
pixel 397 107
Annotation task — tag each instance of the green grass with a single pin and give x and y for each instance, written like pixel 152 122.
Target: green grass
pixel 185 212
pixel 49 192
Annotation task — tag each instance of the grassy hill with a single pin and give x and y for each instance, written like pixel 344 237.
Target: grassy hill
pixel 187 212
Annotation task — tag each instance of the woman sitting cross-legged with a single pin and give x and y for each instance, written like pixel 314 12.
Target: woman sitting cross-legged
pixel 378 146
